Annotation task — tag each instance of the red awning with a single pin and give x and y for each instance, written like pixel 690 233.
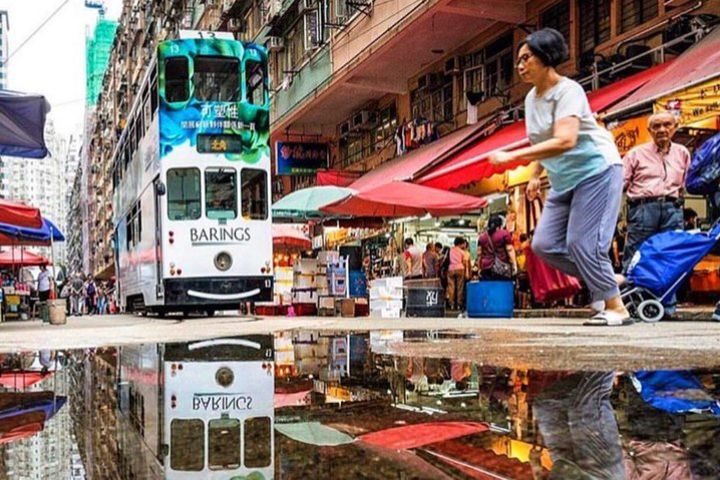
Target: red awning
pixel 21 258
pixel 698 64
pixel 402 199
pixel 337 178
pixel 469 165
pixel 419 435
pixel 19 215
pixel 406 166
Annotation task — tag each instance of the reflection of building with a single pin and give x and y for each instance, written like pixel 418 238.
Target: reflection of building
pixel 45 455
pixel 93 409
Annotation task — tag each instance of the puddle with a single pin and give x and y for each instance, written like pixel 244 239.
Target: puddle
pixel 384 404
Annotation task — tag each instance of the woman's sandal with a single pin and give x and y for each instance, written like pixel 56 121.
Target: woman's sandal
pixel 609 318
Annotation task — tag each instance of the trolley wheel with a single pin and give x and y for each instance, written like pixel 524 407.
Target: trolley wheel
pixel 210 312
pixel 650 311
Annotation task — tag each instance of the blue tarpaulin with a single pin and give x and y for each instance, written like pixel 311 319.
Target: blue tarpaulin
pixel 675 392
pixel 22 124
pixel 10 234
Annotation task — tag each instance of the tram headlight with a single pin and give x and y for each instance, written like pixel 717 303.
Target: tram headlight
pixel 224 377
pixel 223 261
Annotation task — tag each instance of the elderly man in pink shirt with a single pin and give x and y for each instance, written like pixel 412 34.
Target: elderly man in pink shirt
pixel 654 181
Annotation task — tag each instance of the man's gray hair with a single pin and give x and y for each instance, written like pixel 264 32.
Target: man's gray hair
pixel 662 113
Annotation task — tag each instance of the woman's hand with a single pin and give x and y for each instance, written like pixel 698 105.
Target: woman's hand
pixel 533 188
pixel 497 158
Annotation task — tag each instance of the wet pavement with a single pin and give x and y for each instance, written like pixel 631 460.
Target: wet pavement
pixel 336 403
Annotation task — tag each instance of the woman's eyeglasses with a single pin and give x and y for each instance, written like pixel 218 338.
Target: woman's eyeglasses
pixel 522 60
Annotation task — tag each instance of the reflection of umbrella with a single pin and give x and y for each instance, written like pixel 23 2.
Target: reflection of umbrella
pixel 289 236
pixel 21 426
pixel 20 215
pixel 22 415
pixel 20 380
pixel 14 256
pixel 306 203
pixel 418 435
pixel 313 433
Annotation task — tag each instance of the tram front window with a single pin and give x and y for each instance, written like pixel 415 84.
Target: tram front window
pixel 220 193
pixel 183 193
pixel 224 444
pixel 187 445
pixel 217 79
pixel 257 440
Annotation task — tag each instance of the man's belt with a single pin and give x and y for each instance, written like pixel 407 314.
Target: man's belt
pixel 661 199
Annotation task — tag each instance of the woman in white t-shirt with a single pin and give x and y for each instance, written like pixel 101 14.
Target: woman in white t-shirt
pixel 585 172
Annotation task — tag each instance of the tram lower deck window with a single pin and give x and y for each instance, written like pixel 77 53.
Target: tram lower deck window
pixel 221 193
pixel 187 445
pixel 224 444
pixel 183 194
pixel 216 79
pixel 254 194
pixel 257 441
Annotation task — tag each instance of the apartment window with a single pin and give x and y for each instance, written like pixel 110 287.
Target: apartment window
pixel 490 70
pixel 386 126
pixel 557 17
pixel 636 12
pixel 594 23
pixel 434 100
pixel 255 82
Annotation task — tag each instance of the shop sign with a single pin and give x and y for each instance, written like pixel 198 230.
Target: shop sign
pixel 693 104
pixel 630 133
pixel 339 393
pixel 295 158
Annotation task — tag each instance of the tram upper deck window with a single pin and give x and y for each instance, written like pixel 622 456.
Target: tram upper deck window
pixel 216 79
pixel 221 193
pixel 187 445
pixel 224 444
pixel 254 194
pixel 254 77
pixel 183 193
pixel 177 73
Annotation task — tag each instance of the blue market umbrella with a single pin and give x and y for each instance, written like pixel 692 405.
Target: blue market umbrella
pixel 307 202
pixel 22 124
pixel 45 235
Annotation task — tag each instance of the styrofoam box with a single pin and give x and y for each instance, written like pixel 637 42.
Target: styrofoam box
pixel 389 282
pixel 384 293
pixel 385 304
pixel 305 265
pixel 304 297
pixel 385 313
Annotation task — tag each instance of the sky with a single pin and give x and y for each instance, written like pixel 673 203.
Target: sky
pixel 52 63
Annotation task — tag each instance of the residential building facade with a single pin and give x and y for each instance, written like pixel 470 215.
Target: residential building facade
pixel 4 48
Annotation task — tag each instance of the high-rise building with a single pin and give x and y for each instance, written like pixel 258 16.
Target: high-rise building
pixel 4 27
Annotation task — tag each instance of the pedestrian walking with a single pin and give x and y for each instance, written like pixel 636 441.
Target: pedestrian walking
pixel 585 170
pixel 76 294
pixel 496 254
pixel 102 298
pixel 457 271
pixel 430 264
pixel 44 284
pixel 90 295
pixel 654 180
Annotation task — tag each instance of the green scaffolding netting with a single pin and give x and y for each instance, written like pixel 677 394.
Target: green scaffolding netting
pixel 97 54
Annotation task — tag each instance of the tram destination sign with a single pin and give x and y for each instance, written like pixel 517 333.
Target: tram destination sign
pixel 300 158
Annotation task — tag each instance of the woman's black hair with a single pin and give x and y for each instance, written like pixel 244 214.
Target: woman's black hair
pixel 548 45
pixel 494 223
pixel 459 241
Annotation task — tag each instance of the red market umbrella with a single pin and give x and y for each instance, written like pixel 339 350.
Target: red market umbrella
pixel 419 435
pixel 21 258
pixel 19 214
pixel 403 199
pixel 289 236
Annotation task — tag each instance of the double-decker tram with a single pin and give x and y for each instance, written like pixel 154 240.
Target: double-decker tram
pixel 198 410
pixel 191 180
